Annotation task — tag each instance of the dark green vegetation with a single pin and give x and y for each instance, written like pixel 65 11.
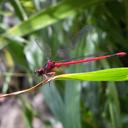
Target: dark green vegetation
pixel 54 25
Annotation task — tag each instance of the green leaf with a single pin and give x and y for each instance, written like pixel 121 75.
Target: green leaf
pixel 113 74
pixel 17 51
pixel 19 9
pixel 66 110
pixel 72 105
pixel 55 104
pixel 114 105
pixel 49 16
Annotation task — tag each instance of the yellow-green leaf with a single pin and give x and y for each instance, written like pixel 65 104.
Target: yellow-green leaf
pixel 113 74
pixel 50 16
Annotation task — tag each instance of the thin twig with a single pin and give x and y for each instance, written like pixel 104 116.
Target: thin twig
pixel 29 89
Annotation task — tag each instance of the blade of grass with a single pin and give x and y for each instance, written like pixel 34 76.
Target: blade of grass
pixel 72 105
pixel 54 101
pixel 18 9
pixel 50 16
pixel 113 74
pixel 114 107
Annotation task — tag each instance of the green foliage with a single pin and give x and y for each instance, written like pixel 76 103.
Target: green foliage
pixel 50 16
pixel 55 24
pixel 113 74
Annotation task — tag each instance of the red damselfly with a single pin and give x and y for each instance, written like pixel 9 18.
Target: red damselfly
pixel 48 68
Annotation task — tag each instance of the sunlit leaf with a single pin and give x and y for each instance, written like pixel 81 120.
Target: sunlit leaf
pixel 114 74
pixel 50 16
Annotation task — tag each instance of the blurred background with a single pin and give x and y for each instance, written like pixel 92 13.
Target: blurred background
pixel 33 31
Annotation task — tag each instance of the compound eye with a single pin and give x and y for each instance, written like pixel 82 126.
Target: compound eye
pixel 39 71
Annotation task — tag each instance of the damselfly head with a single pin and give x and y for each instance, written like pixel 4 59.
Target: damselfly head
pixel 39 71
pixel 46 68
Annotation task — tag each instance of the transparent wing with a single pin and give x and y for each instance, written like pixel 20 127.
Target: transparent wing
pixel 44 48
pixel 83 32
pixel 82 41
